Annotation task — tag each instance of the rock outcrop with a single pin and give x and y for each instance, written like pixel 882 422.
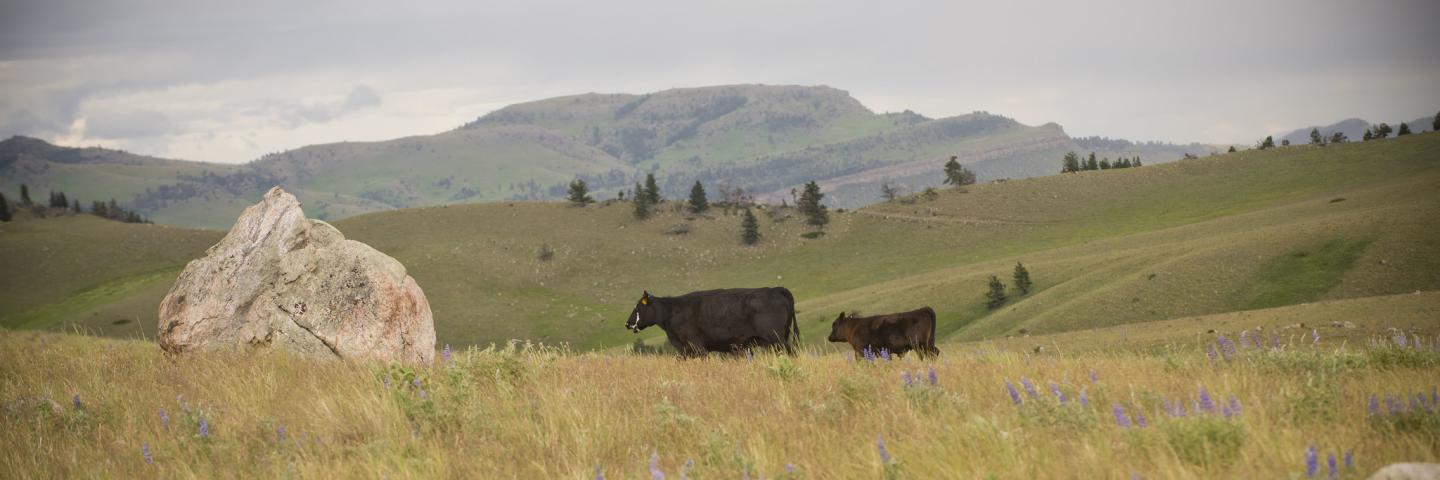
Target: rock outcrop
pixel 279 280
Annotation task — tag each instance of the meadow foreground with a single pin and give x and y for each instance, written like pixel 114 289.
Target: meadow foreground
pixel 76 406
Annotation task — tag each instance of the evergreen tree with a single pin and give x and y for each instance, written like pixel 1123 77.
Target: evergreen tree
pixel 4 209
pixel 1137 162
pixel 1105 164
pixel 1071 163
pixel 995 297
pixel 1231 150
pixel 888 191
pixel 1267 143
pixel 1315 138
pixel 25 196
pixel 1092 164
pixel 1368 136
pixel 698 202
pixel 956 174
pixel 1285 142
pixel 1435 125
pixel 815 212
pixel 76 206
pixel 1338 137
pixel 1404 129
pixel 579 193
pixel 749 228
pixel 1383 130
pixel 652 190
pixel 641 202
pixel 1022 279
pixel 98 209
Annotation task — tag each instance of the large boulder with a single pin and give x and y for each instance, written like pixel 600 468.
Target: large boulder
pixel 278 280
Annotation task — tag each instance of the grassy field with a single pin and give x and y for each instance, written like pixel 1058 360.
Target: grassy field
pixel 84 407
pixel 1184 240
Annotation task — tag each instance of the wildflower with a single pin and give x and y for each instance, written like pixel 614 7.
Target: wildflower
pixel 415 382
pixel 1084 399
pixel 1349 459
pixel 1400 339
pixel 869 354
pixel 884 454
pixel 1140 418
pixel 1374 404
pixel 1206 403
pixel 386 381
pixel 1014 395
pixel 1234 405
pixel 1227 347
pixel 77 402
pixel 1244 338
pixel 1258 343
pixel 1120 418
pixel 1059 395
pixel 750 356
pixel 1330 462
pixel 934 381
pixel 1312 461
pixel 280 434
pixel 685 471
pixel 655 472
pixel 885 353
pixel 599 473
pixel 1314 337
pixel 445 354
pixel 1210 352
pixel 909 382
pixel 789 468
pixel 422 394
pixel 1029 388
pixel 1390 405
pixel 204 428
pixel 145 451
pixel 1093 378
pixel 164 419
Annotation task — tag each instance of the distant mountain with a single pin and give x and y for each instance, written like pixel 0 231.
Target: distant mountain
pixel 1354 129
pixel 764 139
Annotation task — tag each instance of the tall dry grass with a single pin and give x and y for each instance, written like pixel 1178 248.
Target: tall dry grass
pixel 516 412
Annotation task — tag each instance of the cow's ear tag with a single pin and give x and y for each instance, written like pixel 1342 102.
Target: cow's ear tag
pixel 644 301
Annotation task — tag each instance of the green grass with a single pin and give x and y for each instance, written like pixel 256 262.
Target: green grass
pixel 1304 275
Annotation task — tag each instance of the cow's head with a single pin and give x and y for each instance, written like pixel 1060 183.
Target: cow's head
pixel 643 315
pixel 837 332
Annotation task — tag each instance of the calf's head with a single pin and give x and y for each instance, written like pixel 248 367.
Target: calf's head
pixel 838 333
pixel 643 315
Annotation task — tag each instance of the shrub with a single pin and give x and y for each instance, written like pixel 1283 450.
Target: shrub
pixel 1205 441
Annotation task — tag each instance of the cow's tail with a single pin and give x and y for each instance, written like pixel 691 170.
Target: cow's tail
pixel 793 344
pixel 929 346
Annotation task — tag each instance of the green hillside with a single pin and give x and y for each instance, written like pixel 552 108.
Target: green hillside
pixel 764 139
pixel 1219 234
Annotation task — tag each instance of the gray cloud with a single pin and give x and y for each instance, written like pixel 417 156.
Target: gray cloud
pixel 128 124
pixel 1222 71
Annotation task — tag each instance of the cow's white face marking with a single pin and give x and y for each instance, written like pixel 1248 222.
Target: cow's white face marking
pixel 635 324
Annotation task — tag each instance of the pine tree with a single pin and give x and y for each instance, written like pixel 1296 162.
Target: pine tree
pixel 1071 163
pixel 749 228
pixel 1267 143
pixel 4 209
pixel 1231 150
pixel 1404 129
pixel 1338 137
pixel 1285 142
pixel 1137 162
pixel 815 212
pixel 25 196
pixel 579 193
pixel 956 174
pixel 1105 164
pixel 1315 138
pixel 996 296
pixel 1022 279
pixel 1383 130
pixel 1092 164
pixel 641 203
pixel 98 209
pixel 652 190
pixel 76 206
pixel 698 202
pixel 1435 125
pixel 1368 136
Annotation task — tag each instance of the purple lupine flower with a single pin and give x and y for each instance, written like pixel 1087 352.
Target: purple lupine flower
pixel 1029 388
pixel 884 454
pixel 76 400
pixel 1234 405
pixel 1330 462
pixel 1084 399
pixel 789 468
pixel 415 382
pixel 1312 461
pixel 1349 459
pixel 1059 395
pixel 422 394
pixel 1400 339
pixel 204 428
pixel 1093 378
pixel 1390 405
pixel 1210 352
pixel 1435 396
pixel 1206 403
pixel 145 451
pixel 1374 404
pixel 869 354
pixel 909 382
pixel 1014 395
pixel 1135 476
pixel 750 356
pixel 1179 409
pixel 1244 338
pixel 934 381
pixel 1140 418
pixel 1275 342
pixel 885 353
pixel 386 381
pixel 1120 418
pixel 685 470
pixel 1227 347
pixel 655 472
pixel 1256 338
pixel 164 419
pixel 445 354
pixel 1225 410
pixel 599 473
pixel 279 434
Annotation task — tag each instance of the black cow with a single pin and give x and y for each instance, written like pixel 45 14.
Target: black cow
pixel 727 320
pixel 896 332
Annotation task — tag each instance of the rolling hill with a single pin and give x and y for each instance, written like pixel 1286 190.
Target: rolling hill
pixel 1353 128
pixel 1196 238
pixel 764 139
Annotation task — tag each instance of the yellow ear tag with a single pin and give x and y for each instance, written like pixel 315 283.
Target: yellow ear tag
pixel 644 301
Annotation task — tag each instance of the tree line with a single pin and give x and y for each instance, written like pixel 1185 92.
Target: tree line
pixel 1074 163
pixel 62 203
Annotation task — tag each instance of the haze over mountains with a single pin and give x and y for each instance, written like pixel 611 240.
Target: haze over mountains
pixel 1353 128
pixel 764 139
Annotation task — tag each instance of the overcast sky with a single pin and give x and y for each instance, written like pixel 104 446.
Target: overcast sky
pixel 231 80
